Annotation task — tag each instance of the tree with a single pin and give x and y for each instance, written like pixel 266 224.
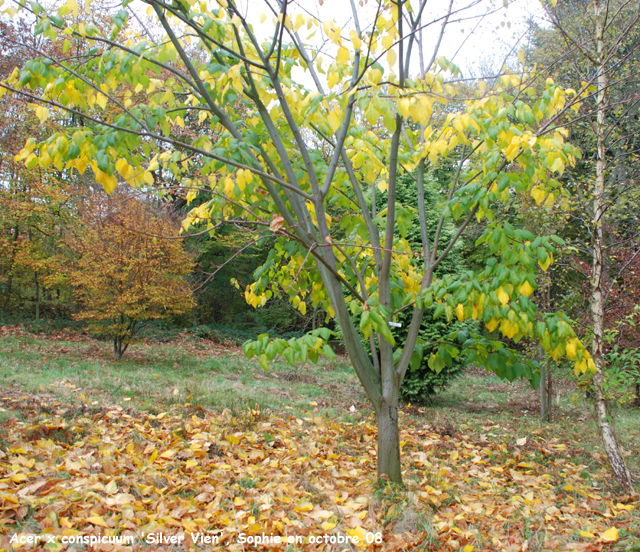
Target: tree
pixel 600 52
pixel 267 169
pixel 127 265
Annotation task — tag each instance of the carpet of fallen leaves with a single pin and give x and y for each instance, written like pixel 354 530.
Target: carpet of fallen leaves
pixel 69 471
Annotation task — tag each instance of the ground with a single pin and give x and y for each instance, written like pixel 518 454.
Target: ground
pixel 189 437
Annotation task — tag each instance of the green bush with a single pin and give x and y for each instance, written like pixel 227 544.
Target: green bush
pixel 422 383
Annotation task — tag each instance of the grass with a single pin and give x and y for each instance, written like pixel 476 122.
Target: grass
pixel 479 403
pixel 154 376
pixel 196 375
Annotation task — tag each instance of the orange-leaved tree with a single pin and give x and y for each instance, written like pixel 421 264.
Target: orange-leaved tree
pixel 128 266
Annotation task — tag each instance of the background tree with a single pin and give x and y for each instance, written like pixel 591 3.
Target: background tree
pixel 596 51
pixel 128 266
pixel 263 171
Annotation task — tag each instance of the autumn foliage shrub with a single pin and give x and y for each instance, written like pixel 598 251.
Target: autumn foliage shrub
pixel 128 266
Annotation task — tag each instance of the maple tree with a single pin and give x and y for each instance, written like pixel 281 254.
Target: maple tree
pixel 127 266
pixel 334 248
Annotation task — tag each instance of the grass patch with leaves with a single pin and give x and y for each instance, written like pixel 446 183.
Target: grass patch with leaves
pixel 190 436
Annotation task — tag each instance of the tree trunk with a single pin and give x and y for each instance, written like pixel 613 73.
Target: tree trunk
pixel 37 283
pixel 10 278
pixel 117 347
pixel 117 339
pixel 549 393
pixel 544 391
pixel 616 460
pixel 389 442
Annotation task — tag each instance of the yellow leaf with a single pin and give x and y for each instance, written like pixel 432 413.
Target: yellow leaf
pixel 334 77
pixel 468 548
pixel 189 526
pixel 299 22
pixel 102 100
pixel 233 439
pixel 358 532
pixel 97 520
pixel 326 526
pixel 546 264
pixel 391 58
pixel 237 501
pixel 334 121
pixel 191 464
pixel 372 115
pixel 167 454
pixel 460 312
pixel 111 487
pixel 610 535
pixel 355 39
pixel 375 75
pixel 404 105
pixel 587 535
pixel 228 187
pixel 42 113
pixel 304 507
pixel 550 201
pixel 343 55
pixel 571 348
pixel 525 289
pixel 263 17
pixel 109 181
pixel 538 195
pixel 503 296
pixel 492 324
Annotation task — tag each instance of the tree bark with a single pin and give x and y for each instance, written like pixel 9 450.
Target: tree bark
pixel 549 393
pixel 37 284
pixel 117 347
pixel 389 442
pixel 616 460
pixel 544 392
pixel 13 260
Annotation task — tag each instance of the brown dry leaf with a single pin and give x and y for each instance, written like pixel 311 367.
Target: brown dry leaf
pixel 277 222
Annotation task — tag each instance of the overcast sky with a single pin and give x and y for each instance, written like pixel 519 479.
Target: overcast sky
pixel 474 40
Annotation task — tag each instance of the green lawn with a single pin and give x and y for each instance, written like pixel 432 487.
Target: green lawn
pixel 154 376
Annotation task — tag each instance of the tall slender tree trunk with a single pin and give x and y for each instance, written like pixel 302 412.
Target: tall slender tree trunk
pixel 597 297
pixel 7 299
pixel 37 283
pixel 544 391
pixel 546 396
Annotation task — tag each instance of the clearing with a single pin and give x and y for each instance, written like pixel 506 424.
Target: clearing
pixel 190 437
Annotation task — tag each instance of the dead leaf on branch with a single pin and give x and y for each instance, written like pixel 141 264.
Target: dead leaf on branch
pixel 277 222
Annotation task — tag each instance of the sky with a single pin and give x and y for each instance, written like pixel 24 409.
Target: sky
pixel 476 39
